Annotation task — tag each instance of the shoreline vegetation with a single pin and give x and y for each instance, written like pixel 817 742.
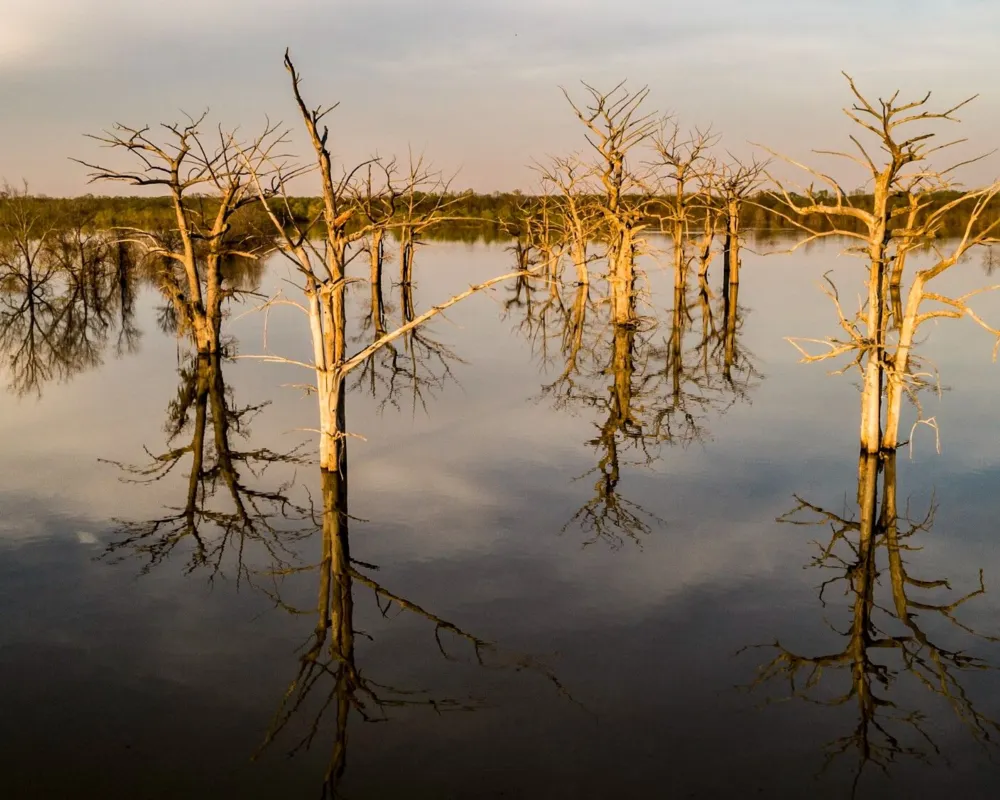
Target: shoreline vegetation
pixel 467 217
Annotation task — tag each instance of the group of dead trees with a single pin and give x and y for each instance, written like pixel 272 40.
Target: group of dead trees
pixel 605 212
pixel 210 176
pixel 639 176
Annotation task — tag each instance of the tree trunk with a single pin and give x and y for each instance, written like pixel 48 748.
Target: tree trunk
pixel 622 275
pixel 730 304
pixel 900 362
pixel 406 290
pixel 871 396
pixel 327 323
pixel 579 250
pixel 732 251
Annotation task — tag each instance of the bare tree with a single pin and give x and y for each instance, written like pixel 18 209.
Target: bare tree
pixel 616 126
pixel 690 173
pixel 736 183
pixel 577 215
pixel 424 204
pixel 377 202
pixel 208 183
pixel 323 269
pixel 900 215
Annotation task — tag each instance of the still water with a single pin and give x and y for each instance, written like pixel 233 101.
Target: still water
pixel 550 595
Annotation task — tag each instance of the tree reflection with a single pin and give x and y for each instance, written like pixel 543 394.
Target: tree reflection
pixel 330 682
pixel 415 367
pixel 644 388
pixel 222 509
pixel 885 645
pixel 63 298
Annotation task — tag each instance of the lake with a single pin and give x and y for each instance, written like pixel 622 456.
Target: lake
pixel 550 594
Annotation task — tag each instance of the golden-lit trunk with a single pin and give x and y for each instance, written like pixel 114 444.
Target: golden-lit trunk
pixel 623 367
pixel 622 279
pixel 579 254
pixel 731 251
pixel 895 383
pixel 680 263
pixel 731 304
pixel 871 393
pixel 675 346
pixel 327 322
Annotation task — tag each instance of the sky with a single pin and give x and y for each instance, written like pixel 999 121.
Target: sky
pixel 475 84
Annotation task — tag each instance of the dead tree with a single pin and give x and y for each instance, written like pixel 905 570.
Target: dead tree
pixel 616 127
pixel 577 216
pixel 322 267
pixel 376 197
pixel 423 205
pixel 899 216
pixel 207 179
pixel 736 183
pixel 686 161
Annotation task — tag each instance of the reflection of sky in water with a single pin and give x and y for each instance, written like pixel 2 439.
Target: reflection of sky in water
pixel 169 681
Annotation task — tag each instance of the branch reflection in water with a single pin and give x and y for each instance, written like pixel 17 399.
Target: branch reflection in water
pixel 417 366
pixel 888 647
pixel 65 297
pixel 226 504
pixel 330 682
pixel 645 388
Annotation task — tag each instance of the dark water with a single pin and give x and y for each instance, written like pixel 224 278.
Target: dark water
pixel 569 604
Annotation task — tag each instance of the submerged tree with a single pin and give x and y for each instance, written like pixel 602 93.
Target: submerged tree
pixel 688 185
pixel 207 178
pixel 323 268
pixel 616 127
pixel 903 214
pixel 639 395
pixel 576 217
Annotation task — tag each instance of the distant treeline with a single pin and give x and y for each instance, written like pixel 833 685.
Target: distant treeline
pixel 469 217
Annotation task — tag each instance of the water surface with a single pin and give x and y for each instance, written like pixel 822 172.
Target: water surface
pixel 572 601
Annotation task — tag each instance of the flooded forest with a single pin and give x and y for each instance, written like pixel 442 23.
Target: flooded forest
pixel 673 476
